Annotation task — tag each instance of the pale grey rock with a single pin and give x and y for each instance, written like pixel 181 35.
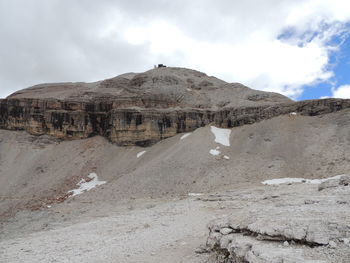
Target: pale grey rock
pixel 202 249
pixel 342 181
pixel 311 227
pixel 329 184
pixel 332 244
pixel 346 241
pixel 345 180
pixel 226 231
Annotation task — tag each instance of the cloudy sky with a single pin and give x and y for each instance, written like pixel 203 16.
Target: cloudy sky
pixel 296 47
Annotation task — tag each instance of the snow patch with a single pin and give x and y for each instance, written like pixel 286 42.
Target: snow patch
pixel 185 135
pixel 226 157
pixel 140 154
pixel 288 180
pixel 222 136
pixel 214 152
pixel 194 194
pixel 87 186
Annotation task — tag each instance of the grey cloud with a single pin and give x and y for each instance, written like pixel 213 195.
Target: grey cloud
pixel 63 40
pixel 50 41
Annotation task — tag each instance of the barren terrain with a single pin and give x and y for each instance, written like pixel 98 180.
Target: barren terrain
pixel 151 208
pixel 76 185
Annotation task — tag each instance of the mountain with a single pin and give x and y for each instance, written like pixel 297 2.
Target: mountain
pixel 154 157
pixel 141 109
pixel 130 109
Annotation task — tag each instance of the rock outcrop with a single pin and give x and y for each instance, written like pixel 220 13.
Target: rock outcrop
pixel 141 109
pixel 287 223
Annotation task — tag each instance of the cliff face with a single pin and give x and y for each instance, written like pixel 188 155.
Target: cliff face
pixel 141 109
pixel 76 120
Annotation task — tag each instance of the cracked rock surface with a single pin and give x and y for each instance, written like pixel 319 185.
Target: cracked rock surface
pixel 289 223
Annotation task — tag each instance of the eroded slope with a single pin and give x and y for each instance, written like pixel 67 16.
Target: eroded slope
pixel 37 170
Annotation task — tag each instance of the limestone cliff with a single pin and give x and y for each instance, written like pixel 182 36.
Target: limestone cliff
pixel 141 109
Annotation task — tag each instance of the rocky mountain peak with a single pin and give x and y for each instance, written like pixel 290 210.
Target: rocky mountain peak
pixel 143 108
pixel 179 87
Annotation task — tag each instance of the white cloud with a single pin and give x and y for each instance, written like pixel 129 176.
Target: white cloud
pixel 269 45
pixel 248 48
pixel 261 62
pixel 342 92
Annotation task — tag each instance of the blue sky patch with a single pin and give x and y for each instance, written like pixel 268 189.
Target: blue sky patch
pixel 339 64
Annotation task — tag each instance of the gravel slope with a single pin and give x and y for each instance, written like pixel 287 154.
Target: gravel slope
pixel 36 171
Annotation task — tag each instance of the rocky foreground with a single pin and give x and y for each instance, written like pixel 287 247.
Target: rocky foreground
pixel 292 223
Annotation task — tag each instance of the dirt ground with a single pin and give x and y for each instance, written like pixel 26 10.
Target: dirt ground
pixel 169 230
pixel 146 230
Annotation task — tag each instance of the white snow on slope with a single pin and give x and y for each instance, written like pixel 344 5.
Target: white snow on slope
pixel 140 154
pixel 195 194
pixel 214 152
pixel 222 136
pixel 87 186
pixel 185 135
pixel 226 157
pixel 288 180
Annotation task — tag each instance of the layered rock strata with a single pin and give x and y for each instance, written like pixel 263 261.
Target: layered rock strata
pixel 141 109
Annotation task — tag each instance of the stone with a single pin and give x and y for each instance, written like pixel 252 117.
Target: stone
pixel 346 241
pixel 328 184
pixel 342 181
pixel 226 231
pixel 202 249
pixel 345 180
pixel 332 244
